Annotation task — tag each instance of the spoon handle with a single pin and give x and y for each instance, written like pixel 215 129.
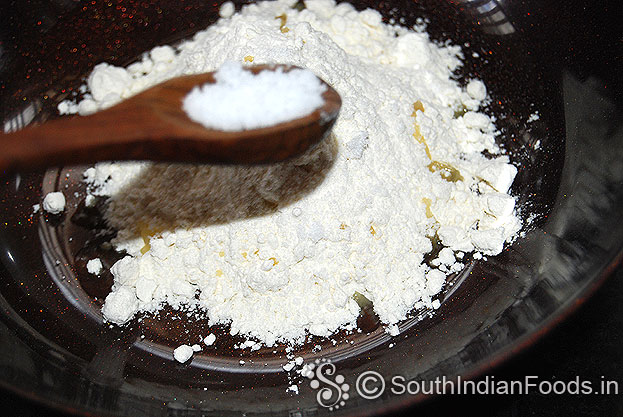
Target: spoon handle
pixel 77 140
pixel 152 125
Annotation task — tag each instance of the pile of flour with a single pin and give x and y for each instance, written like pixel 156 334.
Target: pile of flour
pixel 279 251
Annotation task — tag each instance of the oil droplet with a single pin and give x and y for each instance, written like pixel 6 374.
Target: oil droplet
pixel 284 20
pixel 361 300
pixel 460 112
pixel 146 234
pixel 418 134
pixel 417 106
pixel 447 171
pixel 368 320
pixel 427 202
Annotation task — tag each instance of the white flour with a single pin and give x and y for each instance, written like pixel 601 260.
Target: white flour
pixel 94 266
pixel 183 353
pixel 279 251
pixel 54 203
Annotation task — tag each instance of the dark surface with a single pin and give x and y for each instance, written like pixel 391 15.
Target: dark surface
pixel 587 345
pixel 545 276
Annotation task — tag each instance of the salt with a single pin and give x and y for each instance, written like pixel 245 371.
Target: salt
pixel 240 100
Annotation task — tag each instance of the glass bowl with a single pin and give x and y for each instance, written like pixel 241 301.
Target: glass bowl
pixel 55 348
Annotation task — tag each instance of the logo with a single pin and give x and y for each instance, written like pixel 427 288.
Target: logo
pixel 370 385
pixel 332 391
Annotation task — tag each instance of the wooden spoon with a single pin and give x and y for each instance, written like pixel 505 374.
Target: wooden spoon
pixel 152 125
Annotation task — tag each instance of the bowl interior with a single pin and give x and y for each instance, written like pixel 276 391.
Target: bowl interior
pixel 58 350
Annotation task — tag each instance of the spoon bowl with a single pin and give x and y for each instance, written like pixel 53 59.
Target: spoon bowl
pixel 152 125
